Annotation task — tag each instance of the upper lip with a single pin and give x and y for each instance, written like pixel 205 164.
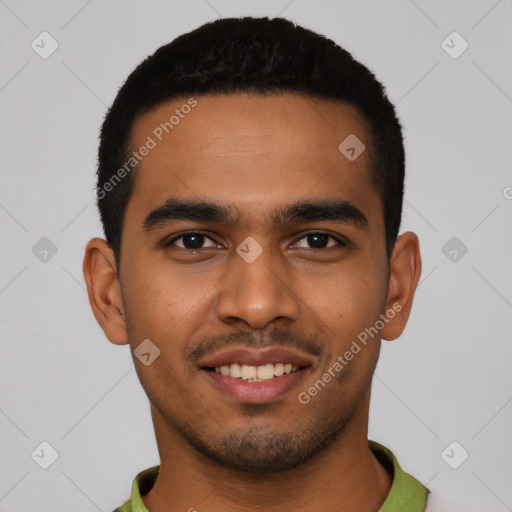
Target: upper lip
pixel 255 357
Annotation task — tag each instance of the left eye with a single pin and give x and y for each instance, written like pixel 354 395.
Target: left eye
pixel 319 240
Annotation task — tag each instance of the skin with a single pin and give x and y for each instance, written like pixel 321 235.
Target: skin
pixel 256 153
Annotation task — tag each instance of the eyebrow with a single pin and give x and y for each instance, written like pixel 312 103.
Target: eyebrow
pixel 330 210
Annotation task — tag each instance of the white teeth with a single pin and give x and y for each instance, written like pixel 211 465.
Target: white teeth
pixel 278 369
pixel 249 372
pixel 235 370
pixel 256 373
pixel 265 372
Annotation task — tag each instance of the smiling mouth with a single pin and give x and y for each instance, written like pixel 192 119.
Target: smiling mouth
pixel 263 373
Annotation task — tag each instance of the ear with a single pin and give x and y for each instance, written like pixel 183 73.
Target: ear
pixel 404 274
pixel 104 290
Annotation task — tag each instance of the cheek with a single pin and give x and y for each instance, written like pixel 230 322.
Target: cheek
pixel 160 307
pixel 346 303
pixel 162 298
pixel 350 295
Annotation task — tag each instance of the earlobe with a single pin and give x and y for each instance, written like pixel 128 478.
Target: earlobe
pixel 404 274
pixel 104 290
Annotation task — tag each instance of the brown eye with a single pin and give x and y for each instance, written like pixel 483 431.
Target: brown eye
pixel 192 241
pixel 320 241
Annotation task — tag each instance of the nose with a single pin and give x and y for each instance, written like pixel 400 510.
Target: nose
pixel 257 293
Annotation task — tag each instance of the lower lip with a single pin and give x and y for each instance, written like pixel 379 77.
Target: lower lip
pixel 257 392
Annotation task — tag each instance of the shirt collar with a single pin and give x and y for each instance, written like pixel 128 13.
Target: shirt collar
pixel 406 492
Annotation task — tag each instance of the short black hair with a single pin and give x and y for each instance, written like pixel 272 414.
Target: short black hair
pixel 255 56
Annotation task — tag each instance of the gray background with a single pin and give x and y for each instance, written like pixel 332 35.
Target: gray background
pixel 446 379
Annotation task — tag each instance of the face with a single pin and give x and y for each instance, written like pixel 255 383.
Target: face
pixel 252 243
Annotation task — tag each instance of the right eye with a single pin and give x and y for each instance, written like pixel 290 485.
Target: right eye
pixel 191 241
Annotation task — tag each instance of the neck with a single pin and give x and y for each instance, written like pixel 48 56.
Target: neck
pixel 347 477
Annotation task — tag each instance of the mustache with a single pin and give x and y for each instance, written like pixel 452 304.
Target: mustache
pixel 276 336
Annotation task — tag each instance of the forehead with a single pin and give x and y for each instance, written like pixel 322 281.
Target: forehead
pixel 252 152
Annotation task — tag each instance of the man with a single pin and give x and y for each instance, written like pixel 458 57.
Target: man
pixel 250 186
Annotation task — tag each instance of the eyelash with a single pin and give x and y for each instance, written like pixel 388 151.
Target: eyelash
pixel 340 243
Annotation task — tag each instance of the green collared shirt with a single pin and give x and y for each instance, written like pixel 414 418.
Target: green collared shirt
pixel 406 494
